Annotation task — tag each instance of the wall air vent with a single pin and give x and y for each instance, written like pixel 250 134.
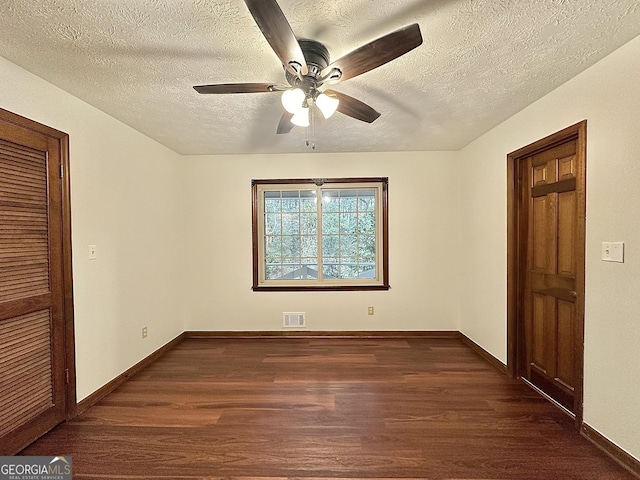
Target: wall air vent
pixel 293 319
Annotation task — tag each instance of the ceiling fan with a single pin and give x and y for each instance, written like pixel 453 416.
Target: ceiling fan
pixel 308 71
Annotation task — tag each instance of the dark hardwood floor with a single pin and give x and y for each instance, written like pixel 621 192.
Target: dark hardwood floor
pixel 325 408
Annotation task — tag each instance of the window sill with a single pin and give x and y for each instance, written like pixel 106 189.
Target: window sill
pixel 319 288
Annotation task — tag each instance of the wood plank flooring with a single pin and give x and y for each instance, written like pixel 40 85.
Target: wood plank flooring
pixel 318 408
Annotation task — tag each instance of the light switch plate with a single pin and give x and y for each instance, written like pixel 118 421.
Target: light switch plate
pixel 93 254
pixel 613 252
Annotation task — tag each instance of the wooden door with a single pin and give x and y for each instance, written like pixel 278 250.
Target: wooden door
pixel 36 335
pixel 549 275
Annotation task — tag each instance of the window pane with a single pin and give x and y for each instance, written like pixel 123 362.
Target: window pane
pixel 348 223
pixel 273 272
pixel 330 268
pixel 367 222
pixel 330 223
pixel 291 246
pixel 347 270
pixel 308 201
pixel 348 237
pixel 309 223
pixel 290 223
pixel 366 270
pixel 283 245
pixel 330 200
pixel 367 246
pixel 310 268
pixel 366 200
pixel 348 201
pixel 291 271
pixel 272 202
pixel 290 201
pixel 273 249
pixel 330 246
pixel 348 245
pixel 273 224
pixel 309 247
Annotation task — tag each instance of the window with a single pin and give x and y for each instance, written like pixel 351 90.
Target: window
pixel 320 234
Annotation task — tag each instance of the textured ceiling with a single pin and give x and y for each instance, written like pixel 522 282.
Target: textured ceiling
pixel 481 62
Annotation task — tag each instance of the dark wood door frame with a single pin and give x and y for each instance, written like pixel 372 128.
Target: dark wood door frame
pixel 515 282
pixel 67 277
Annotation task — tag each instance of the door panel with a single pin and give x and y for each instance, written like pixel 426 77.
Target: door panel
pixel 34 340
pixel 25 367
pixel 543 217
pixel 566 233
pixel 546 265
pixel 24 227
pixel 565 373
pixel 551 269
pixel 538 353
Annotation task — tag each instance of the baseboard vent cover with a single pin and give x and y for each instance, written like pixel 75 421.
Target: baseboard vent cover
pixel 293 319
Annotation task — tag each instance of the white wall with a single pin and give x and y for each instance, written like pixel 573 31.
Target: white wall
pixel 423 212
pixel 126 194
pixel 607 95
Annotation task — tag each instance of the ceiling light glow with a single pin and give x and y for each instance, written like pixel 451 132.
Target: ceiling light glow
pixel 327 104
pixel 292 100
pixel 301 117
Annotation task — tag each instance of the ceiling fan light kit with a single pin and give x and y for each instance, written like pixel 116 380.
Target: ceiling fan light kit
pixel 296 99
pixel 301 117
pixel 293 99
pixel 308 70
pixel 327 104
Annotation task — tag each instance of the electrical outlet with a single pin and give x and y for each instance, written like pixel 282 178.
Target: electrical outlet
pixel 144 332
pixel 370 310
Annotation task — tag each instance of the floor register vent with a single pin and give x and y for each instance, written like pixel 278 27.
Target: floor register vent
pixel 293 319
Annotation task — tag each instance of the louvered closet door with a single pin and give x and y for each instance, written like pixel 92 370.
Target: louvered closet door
pixel 32 369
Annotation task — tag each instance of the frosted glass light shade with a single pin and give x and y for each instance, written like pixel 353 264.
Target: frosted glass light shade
pixel 292 100
pixel 301 117
pixel 327 104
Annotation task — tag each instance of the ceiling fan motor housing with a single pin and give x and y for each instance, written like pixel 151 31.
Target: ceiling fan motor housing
pixel 317 58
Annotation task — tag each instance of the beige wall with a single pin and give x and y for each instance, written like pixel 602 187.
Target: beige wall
pixel 607 95
pixel 126 194
pixel 423 211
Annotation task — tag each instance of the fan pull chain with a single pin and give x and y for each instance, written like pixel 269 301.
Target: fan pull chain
pixel 311 129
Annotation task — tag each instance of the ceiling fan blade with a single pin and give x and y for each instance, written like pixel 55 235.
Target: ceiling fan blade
pixel 278 32
pixel 354 108
pixel 240 88
pixel 285 125
pixel 376 53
